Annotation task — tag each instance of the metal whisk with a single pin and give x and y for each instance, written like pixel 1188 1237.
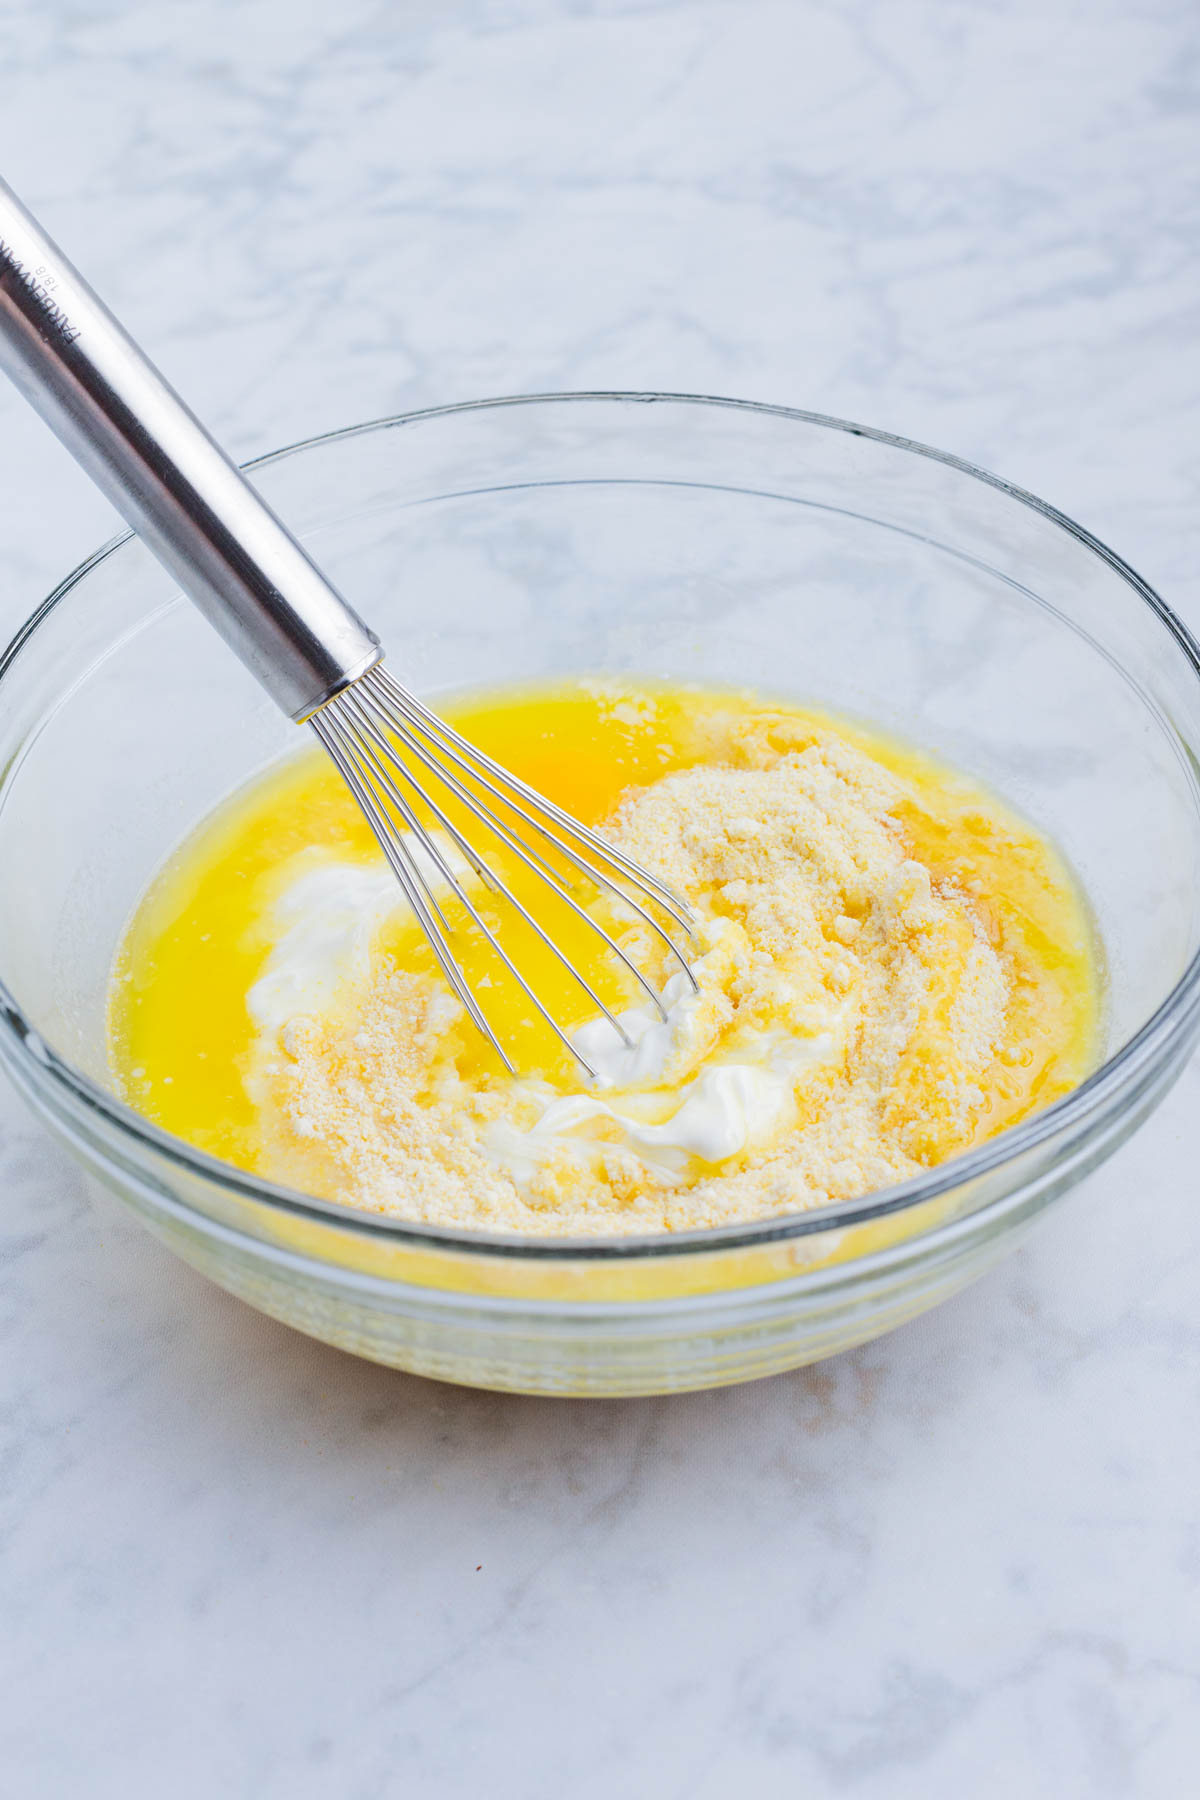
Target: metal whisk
pixel 229 553
pixel 360 729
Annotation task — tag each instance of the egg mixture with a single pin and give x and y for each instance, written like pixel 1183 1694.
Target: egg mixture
pixel 890 966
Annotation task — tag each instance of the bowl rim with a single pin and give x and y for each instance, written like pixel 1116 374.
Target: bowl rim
pixel 1172 1020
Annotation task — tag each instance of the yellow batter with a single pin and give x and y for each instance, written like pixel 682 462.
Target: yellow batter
pixel 894 966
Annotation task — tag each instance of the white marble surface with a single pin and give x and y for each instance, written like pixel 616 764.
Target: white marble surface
pixel 964 1561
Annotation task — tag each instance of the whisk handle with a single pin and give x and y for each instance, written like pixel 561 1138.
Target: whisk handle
pixel 170 480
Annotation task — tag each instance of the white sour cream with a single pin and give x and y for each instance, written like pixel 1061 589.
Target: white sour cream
pixel 726 1109
pixel 326 922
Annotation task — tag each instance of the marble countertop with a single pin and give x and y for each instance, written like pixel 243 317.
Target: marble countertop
pixel 963 1561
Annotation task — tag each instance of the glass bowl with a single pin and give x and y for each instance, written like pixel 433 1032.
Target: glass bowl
pixel 649 535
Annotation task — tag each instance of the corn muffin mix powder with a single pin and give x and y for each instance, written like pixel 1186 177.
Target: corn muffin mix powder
pixel 891 966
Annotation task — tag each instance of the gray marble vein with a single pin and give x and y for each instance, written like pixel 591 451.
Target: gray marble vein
pixel 964 1561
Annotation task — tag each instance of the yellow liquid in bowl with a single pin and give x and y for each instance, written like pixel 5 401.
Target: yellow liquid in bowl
pixel 184 1044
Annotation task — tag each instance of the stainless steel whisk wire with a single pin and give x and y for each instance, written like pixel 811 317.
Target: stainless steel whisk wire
pixel 350 729
pixel 298 636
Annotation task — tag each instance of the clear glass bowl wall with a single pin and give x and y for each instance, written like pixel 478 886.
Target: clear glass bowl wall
pixel 665 537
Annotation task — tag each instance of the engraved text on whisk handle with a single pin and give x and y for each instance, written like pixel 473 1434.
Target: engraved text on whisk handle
pixel 39 284
pixel 190 504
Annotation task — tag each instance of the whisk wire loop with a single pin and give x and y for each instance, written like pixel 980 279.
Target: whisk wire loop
pixel 508 838
pixel 373 730
pixel 340 748
pixel 503 785
pixel 368 766
pixel 494 881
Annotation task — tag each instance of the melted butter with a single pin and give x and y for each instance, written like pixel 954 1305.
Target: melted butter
pixel 202 942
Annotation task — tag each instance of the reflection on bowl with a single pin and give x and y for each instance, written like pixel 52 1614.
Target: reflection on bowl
pixel 676 539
